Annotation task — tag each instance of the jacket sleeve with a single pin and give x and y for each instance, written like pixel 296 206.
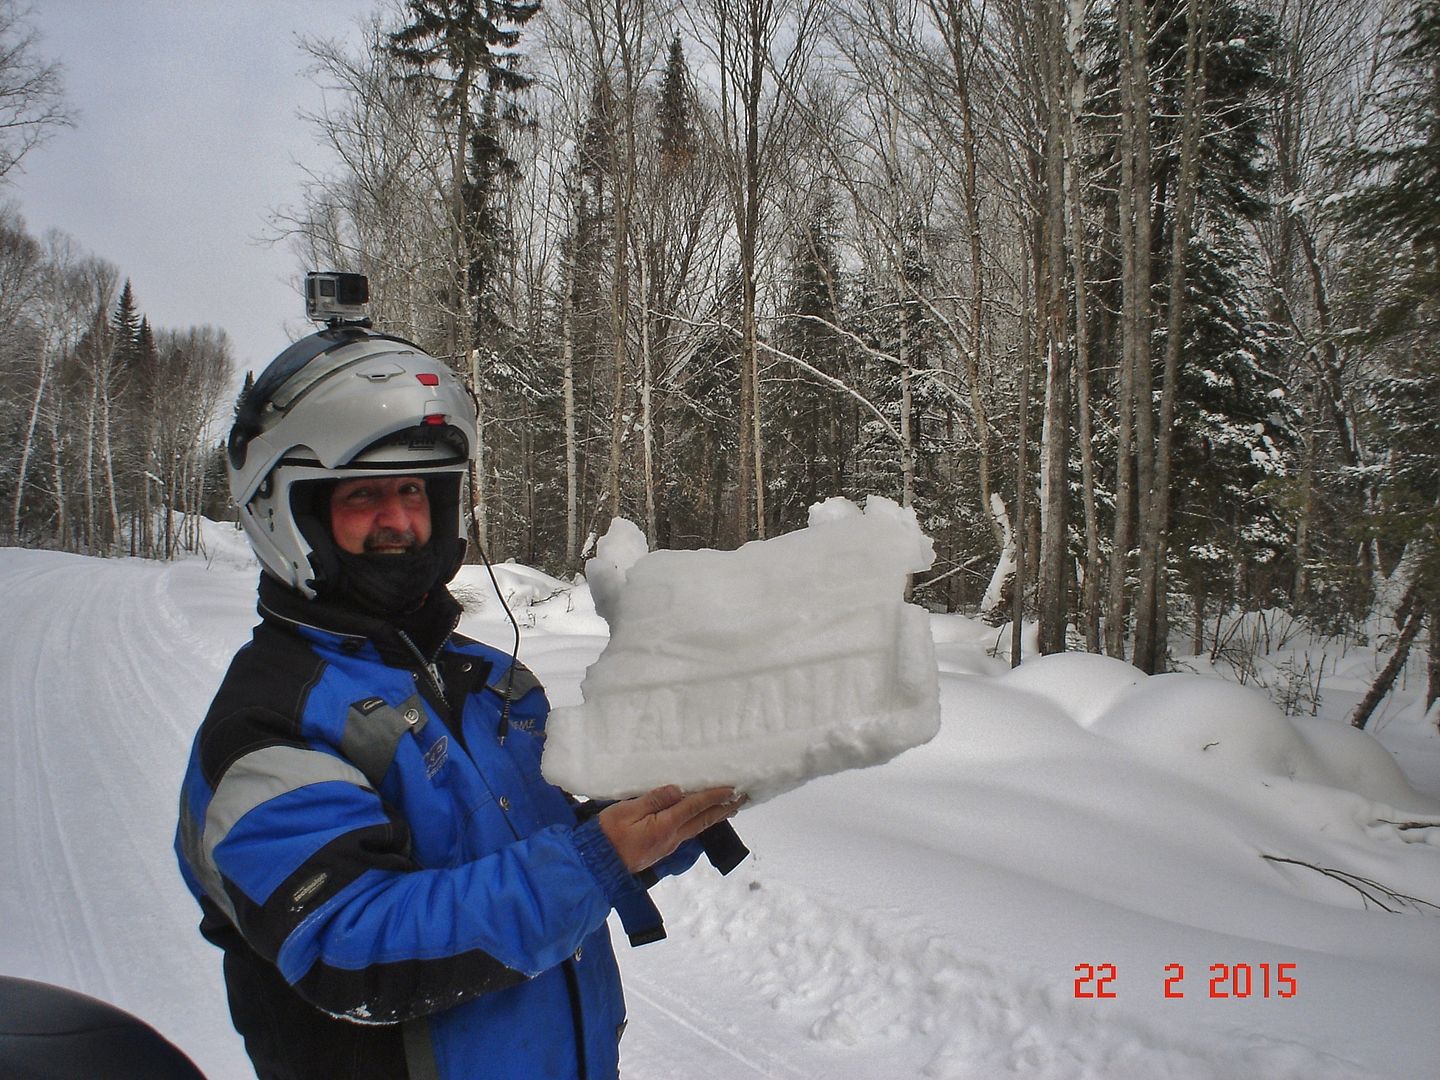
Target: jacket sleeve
pixel 301 852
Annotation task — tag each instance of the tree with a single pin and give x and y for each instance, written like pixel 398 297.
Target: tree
pixel 1328 54
pixel 808 438
pixel 1394 208
pixel 745 36
pixel 462 49
pixel 1187 144
pixel 32 103
pixel 677 229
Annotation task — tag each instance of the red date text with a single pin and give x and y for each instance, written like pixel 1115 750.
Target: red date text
pixel 1225 981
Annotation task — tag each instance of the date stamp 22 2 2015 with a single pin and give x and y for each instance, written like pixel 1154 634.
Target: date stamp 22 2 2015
pixel 1229 981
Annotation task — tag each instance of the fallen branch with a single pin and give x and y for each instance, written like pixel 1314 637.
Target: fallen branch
pixel 1402 825
pixel 1364 885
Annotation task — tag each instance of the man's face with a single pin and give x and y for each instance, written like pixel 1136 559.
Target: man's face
pixel 380 515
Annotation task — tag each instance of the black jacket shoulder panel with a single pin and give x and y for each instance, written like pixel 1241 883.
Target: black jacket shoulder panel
pixel 260 700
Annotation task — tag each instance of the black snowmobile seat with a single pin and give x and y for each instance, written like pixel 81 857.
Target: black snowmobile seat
pixel 50 1033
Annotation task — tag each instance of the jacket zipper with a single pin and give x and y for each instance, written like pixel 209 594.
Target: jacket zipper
pixel 429 669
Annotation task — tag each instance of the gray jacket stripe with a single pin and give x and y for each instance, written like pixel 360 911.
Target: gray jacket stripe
pixel 263 775
pixel 192 839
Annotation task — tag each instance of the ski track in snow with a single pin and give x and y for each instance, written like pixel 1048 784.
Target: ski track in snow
pixel 683 1038
pixel 98 776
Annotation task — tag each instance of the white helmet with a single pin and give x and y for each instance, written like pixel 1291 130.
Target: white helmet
pixel 342 403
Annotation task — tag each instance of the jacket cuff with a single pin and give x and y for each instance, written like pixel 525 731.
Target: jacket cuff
pixel 600 859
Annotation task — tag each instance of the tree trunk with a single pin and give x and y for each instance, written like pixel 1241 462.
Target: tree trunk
pixel 1022 481
pixel 1050 292
pixel 27 445
pixel 107 459
pixel 479 498
pixel 1150 643
pixel 1074 198
pixel 1409 618
pixel 572 482
pixel 1432 685
pixel 647 415
pixel 1135 124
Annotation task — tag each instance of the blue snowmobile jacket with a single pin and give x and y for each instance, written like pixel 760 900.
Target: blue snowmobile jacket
pixel 397 890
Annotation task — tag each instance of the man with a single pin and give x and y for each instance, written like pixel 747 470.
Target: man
pixel 397 891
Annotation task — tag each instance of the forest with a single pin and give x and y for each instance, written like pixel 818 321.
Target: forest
pixel 1135 302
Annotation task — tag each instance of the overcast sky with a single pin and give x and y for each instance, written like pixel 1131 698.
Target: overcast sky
pixel 187 137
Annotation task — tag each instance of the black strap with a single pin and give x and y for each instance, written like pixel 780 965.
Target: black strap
pixel 723 847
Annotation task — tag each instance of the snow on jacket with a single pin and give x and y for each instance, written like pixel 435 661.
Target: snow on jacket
pixel 397 890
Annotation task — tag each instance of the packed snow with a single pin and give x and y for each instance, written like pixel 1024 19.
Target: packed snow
pixel 1085 874
pixel 758 669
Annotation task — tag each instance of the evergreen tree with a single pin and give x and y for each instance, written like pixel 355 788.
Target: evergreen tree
pixel 1232 429
pixel 674 129
pixel 1230 536
pixel 679 189
pixel 125 325
pixel 1395 217
pixel 466 49
pixel 807 422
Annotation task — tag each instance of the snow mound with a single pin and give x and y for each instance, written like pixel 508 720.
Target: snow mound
pixel 1211 729
pixel 1356 761
pixel 520 586
pixel 1082 685
pixel 1204 724
pixel 224 545
pixel 760 668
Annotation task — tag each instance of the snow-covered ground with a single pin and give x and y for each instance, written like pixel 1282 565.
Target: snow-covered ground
pixel 1011 899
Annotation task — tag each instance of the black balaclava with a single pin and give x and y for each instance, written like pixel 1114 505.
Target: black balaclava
pixel 388 584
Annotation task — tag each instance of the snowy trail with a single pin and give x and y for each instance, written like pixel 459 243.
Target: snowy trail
pixel 685 1038
pixel 99 690
pixel 918 920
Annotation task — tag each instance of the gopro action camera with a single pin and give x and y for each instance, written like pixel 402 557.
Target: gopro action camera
pixel 337 299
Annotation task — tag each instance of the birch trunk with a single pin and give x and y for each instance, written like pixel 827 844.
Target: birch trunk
pixel 1022 477
pixel 479 499
pixel 27 445
pixel 1409 619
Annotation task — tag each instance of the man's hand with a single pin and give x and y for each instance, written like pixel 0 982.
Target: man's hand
pixel 645 829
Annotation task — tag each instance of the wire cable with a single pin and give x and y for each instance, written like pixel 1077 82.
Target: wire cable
pixel 504 726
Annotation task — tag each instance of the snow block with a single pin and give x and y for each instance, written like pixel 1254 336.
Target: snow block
pixel 760 668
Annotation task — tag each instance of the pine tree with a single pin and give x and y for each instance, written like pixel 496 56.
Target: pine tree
pixel 808 424
pixel 674 130
pixel 1230 434
pixel 465 49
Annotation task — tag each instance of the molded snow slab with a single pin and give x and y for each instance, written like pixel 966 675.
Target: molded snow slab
pixel 760 668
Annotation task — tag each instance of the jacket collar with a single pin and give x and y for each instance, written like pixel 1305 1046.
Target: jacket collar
pixel 428 627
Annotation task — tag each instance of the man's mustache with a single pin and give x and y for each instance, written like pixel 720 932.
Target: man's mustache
pixel 391 538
